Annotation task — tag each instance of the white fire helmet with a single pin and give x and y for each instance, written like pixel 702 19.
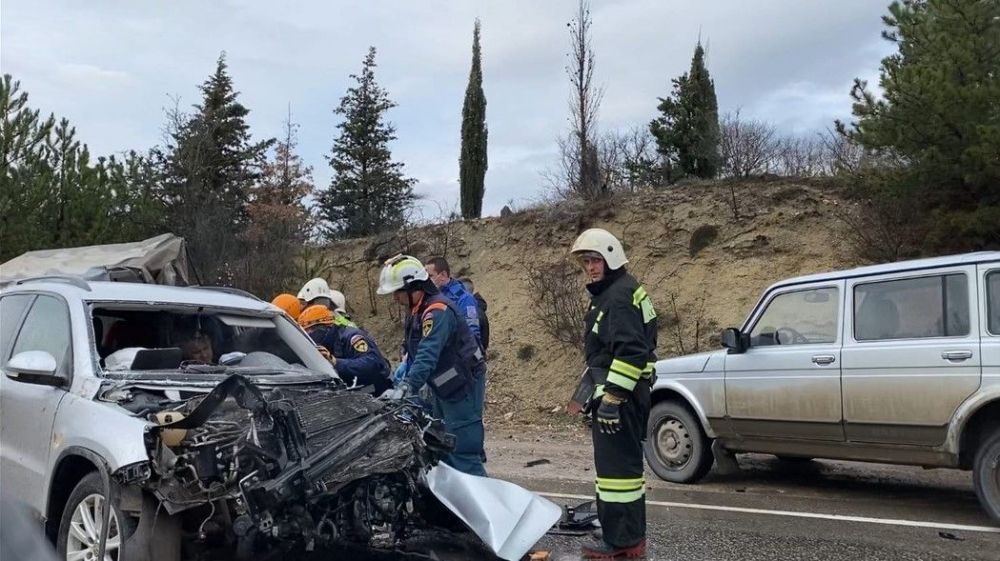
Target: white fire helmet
pixel 598 240
pixel 316 288
pixel 398 272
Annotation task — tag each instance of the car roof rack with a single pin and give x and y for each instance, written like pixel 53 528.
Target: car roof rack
pixel 68 279
pixel 228 290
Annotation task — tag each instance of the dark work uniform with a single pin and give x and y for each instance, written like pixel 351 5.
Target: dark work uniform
pixel 443 353
pixel 620 342
pixel 358 357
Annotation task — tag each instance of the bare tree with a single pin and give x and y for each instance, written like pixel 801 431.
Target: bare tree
pixel 802 156
pixel 580 163
pixel 749 147
pixel 843 155
pixel 629 159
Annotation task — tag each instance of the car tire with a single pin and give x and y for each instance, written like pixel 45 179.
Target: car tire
pixel 79 526
pixel 986 474
pixel 676 446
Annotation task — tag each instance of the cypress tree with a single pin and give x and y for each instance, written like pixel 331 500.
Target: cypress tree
pixel 472 162
pixel 687 132
pixel 368 193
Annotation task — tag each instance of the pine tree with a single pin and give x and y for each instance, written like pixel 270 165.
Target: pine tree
pixel 210 165
pixel 473 161
pixel 279 222
pixel 938 117
pixel 368 193
pixel 687 132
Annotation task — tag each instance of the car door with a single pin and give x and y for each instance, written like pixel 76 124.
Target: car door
pixel 911 354
pixel 787 383
pixel 27 411
pixel 989 280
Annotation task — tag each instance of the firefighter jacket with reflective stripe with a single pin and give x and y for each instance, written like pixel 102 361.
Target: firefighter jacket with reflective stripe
pixel 621 332
pixel 441 349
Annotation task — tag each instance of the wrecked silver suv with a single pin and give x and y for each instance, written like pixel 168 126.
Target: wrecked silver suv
pixel 245 445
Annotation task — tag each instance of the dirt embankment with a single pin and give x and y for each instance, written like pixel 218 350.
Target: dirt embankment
pixel 703 268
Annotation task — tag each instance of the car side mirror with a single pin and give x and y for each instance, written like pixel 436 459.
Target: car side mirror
pixel 734 340
pixel 34 367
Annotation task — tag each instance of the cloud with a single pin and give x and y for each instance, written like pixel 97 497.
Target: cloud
pixel 109 67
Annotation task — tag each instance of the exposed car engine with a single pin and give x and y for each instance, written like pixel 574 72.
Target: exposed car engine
pixel 264 471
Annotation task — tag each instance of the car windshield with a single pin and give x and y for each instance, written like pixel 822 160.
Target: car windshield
pixel 195 339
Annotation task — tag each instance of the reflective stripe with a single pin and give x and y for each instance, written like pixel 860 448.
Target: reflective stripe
pixel 638 296
pixel 597 321
pixel 620 490
pixel 621 381
pixel 649 370
pixel 598 391
pixel 625 369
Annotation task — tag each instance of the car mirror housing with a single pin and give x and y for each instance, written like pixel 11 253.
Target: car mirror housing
pixel 34 367
pixel 734 340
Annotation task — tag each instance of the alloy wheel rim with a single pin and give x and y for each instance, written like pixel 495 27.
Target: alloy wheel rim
pixel 85 532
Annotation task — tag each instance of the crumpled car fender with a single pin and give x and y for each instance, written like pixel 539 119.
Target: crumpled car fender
pixel 508 518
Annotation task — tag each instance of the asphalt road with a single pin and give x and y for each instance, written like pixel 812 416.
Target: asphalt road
pixel 819 510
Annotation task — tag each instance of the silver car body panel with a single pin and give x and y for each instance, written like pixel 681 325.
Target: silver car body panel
pixel 508 518
pixel 908 404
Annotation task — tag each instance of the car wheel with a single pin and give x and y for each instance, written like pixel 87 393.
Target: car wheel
pixel 82 522
pixel 986 475
pixel 676 447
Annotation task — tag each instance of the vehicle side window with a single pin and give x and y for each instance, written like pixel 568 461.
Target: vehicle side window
pixel 918 308
pixel 11 310
pixel 993 301
pixel 803 317
pixel 46 329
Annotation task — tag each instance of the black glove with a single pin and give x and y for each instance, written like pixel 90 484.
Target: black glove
pixel 609 419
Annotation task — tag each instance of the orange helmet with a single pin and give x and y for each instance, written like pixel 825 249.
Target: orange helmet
pixel 315 315
pixel 289 303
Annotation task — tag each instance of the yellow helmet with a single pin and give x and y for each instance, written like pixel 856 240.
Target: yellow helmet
pixel 289 304
pixel 399 272
pixel 315 315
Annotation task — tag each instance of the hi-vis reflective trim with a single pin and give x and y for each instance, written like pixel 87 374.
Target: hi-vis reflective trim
pixel 622 382
pixel 598 391
pixel 611 490
pixel 626 369
pixel 638 296
pixel 648 371
pixel 597 321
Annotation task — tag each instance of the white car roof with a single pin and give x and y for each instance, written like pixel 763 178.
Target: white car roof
pixel 899 266
pixel 101 291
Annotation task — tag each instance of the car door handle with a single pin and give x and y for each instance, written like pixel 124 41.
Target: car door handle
pixel 956 356
pixel 824 360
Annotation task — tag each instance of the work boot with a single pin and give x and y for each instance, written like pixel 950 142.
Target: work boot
pixel 603 550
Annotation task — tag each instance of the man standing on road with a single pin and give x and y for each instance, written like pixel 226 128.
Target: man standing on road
pixel 441 353
pixel 620 347
pixel 440 274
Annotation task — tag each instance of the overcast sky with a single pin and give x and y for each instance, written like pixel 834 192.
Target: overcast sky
pixel 111 67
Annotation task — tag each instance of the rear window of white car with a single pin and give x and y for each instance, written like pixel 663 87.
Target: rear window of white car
pixel 993 301
pixel 917 308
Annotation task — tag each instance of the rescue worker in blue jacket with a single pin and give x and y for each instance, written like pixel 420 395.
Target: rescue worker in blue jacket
pixel 440 274
pixel 352 351
pixel 441 353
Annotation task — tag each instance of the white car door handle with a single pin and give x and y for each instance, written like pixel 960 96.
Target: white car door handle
pixel 824 360
pixel 956 356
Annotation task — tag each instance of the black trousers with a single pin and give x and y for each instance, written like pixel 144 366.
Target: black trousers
pixel 621 489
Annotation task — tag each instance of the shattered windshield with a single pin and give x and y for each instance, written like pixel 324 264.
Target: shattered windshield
pixel 194 339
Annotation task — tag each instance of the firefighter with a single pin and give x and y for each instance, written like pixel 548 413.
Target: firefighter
pixel 619 347
pixel 440 274
pixel 352 351
pixel 442 353
pixel 317 291
pixel 289 304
